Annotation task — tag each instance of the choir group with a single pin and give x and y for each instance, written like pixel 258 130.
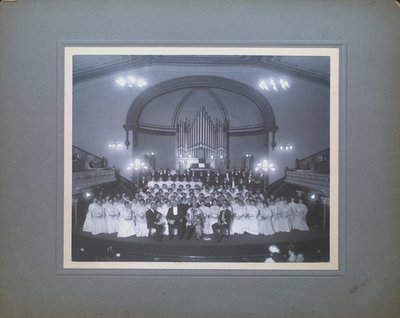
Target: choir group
pixel 186 208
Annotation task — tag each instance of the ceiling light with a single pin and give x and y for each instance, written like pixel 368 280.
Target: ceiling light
pixel 286 147
pixel 121 82
pixel 131 81
pixel 141 83
pixel 274 84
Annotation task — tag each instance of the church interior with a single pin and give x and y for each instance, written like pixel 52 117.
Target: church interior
pixel 256 126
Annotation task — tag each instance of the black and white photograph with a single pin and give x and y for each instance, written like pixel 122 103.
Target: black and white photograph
pixel 200 157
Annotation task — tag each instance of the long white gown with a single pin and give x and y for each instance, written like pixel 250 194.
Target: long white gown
pixel 111 218
pixel 275 217
pixel 238 218
pixel 207 224
pixel 88 225
pixel 299 220
pixel 250 221
pixel 141 221
pixel 126 225
pixel 265 221
pixel 99 221
pixel 284 218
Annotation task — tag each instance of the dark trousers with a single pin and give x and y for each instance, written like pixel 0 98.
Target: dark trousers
pixel 219 230
pixel 159 229
pixel 171 228
pixel 189 231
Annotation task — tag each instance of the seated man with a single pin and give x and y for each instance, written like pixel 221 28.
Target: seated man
pixel 223 223
pixel 154 221
pixel 195 222
pixel 175 219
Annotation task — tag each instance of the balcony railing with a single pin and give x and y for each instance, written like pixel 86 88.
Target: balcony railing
pixel 317 162
pixel 315 181
pixel 85 179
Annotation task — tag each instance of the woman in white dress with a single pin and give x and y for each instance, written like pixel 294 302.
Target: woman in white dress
pixel 275 216
pixel 250 220
pixel 88 225
pixel 99 220
pixel 259 203
pixel 238 217
pixel 299 217
pixel 265 221
pixel 111 217
pixel 126 224
pixel 284 217
pixel 141 222
pixel 206 213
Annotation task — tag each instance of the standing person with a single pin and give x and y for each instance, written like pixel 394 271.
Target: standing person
pixel 265 221
pixel 99 221
pixel 206 213
pixel 292 206
pixel 119 205
pixel 175 220
pixel 284 217
pixel 250 221
pixel 111 216
pixel 238 217
pixel 140 217
pixel 299 217
pixel 88 225
pixel 126 224
pixel 154 221
pixel 275 216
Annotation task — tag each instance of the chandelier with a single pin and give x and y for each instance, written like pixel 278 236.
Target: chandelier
pixel 274 85
pixel 130 81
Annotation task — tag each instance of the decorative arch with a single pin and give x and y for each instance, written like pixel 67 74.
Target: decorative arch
pixel 193 83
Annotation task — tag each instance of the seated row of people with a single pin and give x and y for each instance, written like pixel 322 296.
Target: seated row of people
pixel 198 215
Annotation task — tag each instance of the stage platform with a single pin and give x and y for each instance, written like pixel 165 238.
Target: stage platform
pixel 235 248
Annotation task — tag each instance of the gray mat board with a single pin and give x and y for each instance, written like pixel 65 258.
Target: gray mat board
pixel 30 32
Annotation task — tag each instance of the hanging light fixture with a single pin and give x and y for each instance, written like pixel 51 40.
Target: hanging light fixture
pixel 274 84
pixel 130 81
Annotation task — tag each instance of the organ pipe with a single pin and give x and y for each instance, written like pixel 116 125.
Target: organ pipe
pixel 200 134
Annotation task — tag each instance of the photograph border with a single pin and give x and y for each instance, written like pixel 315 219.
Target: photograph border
pixel 336 51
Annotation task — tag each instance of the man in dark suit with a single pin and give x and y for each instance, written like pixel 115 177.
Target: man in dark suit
pixel 175 220
pixel 223 223
pixel 154 221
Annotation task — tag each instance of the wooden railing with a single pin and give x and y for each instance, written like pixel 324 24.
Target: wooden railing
pixel 82 159
pixel 309 179
pixel 85 179
pixel 317 162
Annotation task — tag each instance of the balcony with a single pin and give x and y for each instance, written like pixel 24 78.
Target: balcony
pixel 307 179
pixel 86 179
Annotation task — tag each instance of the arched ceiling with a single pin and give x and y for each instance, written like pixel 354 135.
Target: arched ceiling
pixel 241 107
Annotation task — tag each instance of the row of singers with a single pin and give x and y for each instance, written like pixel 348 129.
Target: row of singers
pixel 130 218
